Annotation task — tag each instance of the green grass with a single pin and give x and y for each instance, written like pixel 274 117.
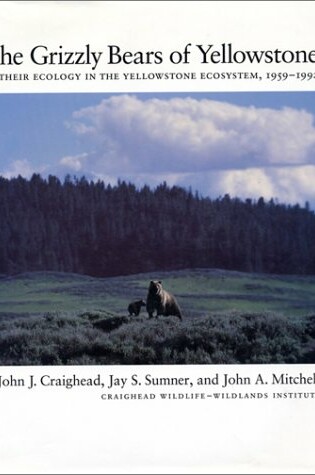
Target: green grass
pixel 204 291
pixel 229 317
pixel 198 291
pixel 45 292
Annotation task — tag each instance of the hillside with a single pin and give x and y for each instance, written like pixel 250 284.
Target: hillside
pixel 199 292
pixel 229 317
pixel 101 230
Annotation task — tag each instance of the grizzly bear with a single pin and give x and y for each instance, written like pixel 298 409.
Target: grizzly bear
pixel 134 308
pixel 162 301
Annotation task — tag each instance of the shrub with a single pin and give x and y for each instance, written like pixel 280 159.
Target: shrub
pixel 216 339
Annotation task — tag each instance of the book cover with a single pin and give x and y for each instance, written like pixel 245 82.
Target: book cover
pixel 157 255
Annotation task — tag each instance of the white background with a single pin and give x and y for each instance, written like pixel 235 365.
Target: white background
pixel 75 431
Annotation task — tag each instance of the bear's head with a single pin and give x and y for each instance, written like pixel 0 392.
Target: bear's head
pixel 155 287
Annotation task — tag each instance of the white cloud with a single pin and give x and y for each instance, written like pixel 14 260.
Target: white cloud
pixel 214 147
pixel 287 184
pixel 185 135
pixel 73 162
pixel 19 167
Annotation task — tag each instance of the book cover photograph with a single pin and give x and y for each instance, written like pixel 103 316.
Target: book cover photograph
pixel 157 252
pixel 171 229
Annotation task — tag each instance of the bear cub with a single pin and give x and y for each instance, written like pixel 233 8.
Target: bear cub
pixel 134 308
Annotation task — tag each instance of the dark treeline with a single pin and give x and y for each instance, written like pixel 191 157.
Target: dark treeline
pixel 90 228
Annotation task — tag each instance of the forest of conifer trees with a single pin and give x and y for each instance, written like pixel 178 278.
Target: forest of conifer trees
pixel 91 228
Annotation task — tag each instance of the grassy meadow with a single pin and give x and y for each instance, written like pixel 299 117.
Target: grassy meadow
pixel 229 317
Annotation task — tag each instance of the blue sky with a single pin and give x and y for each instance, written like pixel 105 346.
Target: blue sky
pixel 244 144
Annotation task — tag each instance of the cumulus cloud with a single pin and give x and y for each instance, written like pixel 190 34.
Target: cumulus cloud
pixel 211 146
pixel 287 184
pixel 186 134
pixel 19 167
pixel 73 162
